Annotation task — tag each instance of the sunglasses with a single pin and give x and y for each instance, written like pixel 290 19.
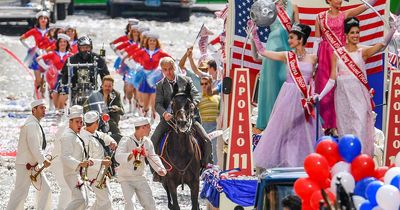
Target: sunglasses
pixel 203 84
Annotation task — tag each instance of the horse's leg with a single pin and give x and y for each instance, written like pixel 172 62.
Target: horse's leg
pixel 194 194
pixel 172 190
pixel 168 194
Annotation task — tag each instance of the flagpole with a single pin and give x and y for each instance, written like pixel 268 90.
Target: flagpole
pixel 198 35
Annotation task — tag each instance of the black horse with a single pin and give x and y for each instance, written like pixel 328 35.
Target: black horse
pixel 181 152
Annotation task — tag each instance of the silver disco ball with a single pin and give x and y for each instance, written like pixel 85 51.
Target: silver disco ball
pixel 263 12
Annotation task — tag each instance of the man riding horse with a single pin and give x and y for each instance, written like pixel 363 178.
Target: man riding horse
pixel 173 83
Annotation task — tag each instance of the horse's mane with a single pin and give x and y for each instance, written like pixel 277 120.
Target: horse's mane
pixel 187 91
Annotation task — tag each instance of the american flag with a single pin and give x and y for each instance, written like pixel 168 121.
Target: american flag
pixel 371 27
pixel 242 15
pixel 393 59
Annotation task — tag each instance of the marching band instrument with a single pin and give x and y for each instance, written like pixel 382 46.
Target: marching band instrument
pixel 138 153
pixel 101 183
pixel 30 167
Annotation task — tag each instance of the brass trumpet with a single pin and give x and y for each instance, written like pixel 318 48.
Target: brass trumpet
pixel 84 173
pixel 137 162
pixel 34 176
pixel 101 183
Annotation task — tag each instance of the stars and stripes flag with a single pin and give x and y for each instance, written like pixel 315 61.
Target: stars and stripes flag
pixel 371 26
pixel 242 15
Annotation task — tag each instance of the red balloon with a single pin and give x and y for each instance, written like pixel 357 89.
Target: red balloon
pixel 362 166
pixel 305 205
pixel 380 172
pixel 305 187
pixel 317 168
pixel 316 197
pixel 330 150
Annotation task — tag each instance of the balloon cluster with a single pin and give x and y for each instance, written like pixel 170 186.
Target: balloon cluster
pixel 341 161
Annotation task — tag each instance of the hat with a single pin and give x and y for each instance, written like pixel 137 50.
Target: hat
pixel 152 35
pixel 143 28
pixel 63 36
pixel 141 121
pixel 203 65
pixel 135 27
pixel 42 13
pixel 91 117
pixel 133 21
pixel 69 27
pixel 37 102
pixel 144 33
pixel 75 112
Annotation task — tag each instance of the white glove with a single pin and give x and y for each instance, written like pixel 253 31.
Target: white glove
pixel 316 45
pixel 23 41
pixel 43 64
pixel 328 87
pixel 113 47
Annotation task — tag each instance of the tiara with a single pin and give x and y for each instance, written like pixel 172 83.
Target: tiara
pixel 353 20
pixel 297 28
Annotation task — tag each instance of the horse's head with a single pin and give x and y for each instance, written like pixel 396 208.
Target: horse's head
pixel 183 110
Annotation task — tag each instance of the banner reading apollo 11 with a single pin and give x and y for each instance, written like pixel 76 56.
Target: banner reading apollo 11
pixel 239 151
pixel 392 144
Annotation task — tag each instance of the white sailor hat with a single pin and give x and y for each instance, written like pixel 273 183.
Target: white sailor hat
pixel 63 36
pixel 144 33
pixel 42 13
pixel 135 27
pixel 133 21
pixel 141 121
pixel 37 102
pixel 69 27
pixel 143 28
pixel 75 111
pixel 152 35
pixel 91 117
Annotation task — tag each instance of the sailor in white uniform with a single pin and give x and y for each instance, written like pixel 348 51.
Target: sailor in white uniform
pixel 75 160
pixel 132 179
pixel 31 152
pixel 96 142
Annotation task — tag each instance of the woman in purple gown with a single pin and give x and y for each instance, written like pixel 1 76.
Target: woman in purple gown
pixel 291 131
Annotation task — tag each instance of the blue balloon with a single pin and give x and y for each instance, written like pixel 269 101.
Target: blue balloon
pixel 371 191
pixel 349 147
pixel 366 205
pixel 362 185
pixel 396 181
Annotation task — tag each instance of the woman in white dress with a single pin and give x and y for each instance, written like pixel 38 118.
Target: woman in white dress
pixel 353 96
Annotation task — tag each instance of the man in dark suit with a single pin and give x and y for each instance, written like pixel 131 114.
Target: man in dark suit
pixel 164 92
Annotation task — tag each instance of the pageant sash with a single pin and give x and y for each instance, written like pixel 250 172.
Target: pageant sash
pixel 307 101
pixel 336 44
pixel 283 17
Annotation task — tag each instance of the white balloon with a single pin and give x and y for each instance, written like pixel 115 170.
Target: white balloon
pixel 340 166
pixel 390 174
pixel 358 200
pixel 388 197
pixel 397 160
pixel 347 181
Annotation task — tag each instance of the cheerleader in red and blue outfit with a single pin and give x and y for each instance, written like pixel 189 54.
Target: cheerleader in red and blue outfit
pixel 53 62
pixel 42 43
pixel 147 77
pixel 126 70
pixel 73 42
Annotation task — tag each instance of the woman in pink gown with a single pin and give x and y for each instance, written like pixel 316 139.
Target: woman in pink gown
pixel 335 19
pixel 352 97
pixel 290 134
